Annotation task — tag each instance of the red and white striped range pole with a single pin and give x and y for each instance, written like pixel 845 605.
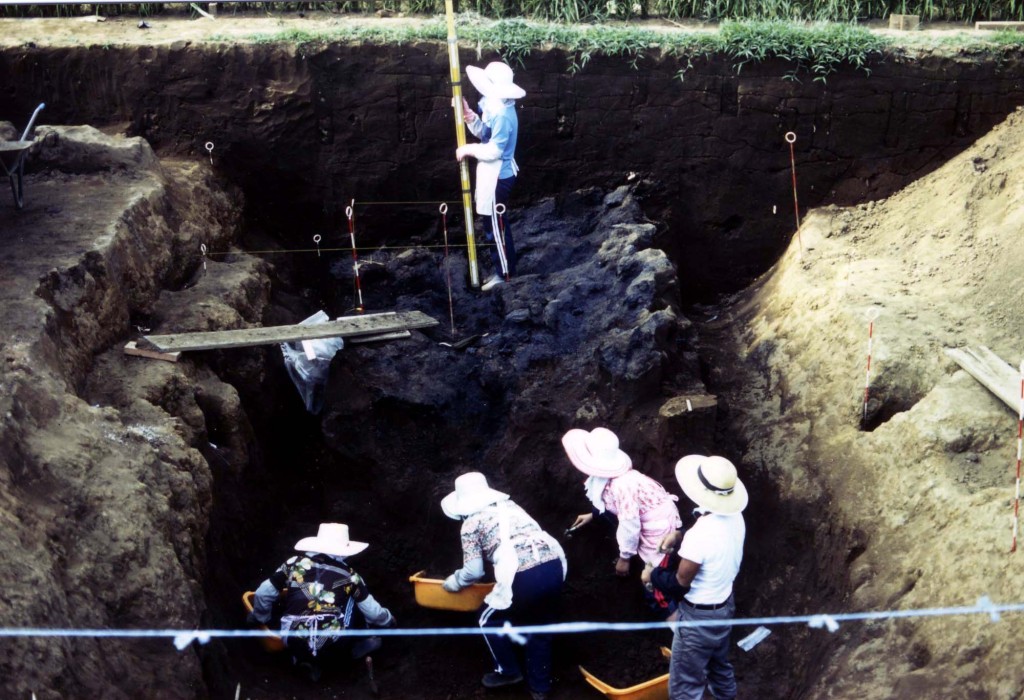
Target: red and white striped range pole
pixel 447 268
pixel 791 139
pixel 872 314
pixel 355 259
pixel 1020 438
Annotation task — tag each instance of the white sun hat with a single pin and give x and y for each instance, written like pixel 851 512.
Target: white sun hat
pixel 470 495
pixel 712 484
pixel 596 453
pixel 495 81
pixel 333 539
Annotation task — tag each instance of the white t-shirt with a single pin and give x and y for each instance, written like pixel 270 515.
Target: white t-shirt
pixel 716 543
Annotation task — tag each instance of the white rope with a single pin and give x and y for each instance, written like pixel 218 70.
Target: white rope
pixel 829 621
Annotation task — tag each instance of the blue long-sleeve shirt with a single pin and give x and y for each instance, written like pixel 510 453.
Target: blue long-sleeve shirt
pixel 499 131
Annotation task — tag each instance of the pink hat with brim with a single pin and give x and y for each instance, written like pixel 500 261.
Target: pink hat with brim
pixel 596 453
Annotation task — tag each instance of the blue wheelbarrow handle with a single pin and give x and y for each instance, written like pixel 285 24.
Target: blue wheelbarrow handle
pixel 32 121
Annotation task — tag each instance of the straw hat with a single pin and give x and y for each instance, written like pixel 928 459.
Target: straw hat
pixel 596 453
pixel 712 484
pixel 495 81
pixel 331 538
pixel 470 495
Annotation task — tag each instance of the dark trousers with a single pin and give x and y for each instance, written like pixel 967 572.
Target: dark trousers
pixel 501 196
pixel 535 601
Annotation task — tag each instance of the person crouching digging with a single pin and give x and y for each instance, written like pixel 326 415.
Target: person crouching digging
pixel 529 568
pixel 639 508
pixel 322 595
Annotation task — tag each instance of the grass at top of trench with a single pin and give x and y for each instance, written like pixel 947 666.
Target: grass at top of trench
pixel 813 49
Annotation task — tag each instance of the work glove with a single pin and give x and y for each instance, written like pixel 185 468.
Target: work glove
pixel 451 584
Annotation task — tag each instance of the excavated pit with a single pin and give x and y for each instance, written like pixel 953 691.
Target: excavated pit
pixel 589 333
pixel 218 469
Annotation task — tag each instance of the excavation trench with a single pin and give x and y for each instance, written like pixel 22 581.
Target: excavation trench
pixel 641 196
pixel 592 332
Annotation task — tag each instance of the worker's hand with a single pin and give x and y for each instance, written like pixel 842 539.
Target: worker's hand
pixel 461 152
pixel 468 115
pixel 581 520
pixel 622 567
pixel 670 542
pixel 451 584
pixel 645 575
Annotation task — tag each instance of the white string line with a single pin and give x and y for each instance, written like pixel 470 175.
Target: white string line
pixel 182 638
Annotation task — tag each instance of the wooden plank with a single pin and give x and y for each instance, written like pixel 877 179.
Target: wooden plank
pixel 996 26
pixel 395 335
pixel 132 348
pixel 991 371
pixel 345 327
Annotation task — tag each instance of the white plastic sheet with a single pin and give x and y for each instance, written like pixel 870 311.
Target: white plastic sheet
pixel 309 363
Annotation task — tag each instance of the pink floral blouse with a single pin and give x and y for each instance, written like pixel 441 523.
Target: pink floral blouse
pixel 646 513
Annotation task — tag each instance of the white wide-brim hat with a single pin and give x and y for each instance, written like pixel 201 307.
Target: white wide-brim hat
pixel 495 81
pixel 331 538
pixel 712 484
pixel 596 453
pixel 470 495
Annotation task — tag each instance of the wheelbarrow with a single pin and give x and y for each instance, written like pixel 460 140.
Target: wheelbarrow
pixel 654 689
pixel 12 158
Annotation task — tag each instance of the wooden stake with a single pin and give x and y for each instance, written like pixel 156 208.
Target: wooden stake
pixel 131 348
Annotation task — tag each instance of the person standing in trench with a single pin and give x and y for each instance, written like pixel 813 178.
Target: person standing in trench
pixel 710 557
pixel 497 127
pixel 529 569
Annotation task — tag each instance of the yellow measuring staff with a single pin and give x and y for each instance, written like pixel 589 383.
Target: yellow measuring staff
pixel 460 140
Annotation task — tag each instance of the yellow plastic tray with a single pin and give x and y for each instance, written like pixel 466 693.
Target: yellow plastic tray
pixel 271 644
pixel 654 689
pixel 429 594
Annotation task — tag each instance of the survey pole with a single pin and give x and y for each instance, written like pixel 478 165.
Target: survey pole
pixel 460 140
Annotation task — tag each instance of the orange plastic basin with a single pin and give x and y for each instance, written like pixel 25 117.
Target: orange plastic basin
pixel 272 644
pixel 429 594
pixel 654 689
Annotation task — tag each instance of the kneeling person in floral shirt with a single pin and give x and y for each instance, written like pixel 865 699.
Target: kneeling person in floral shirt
pixel 319 594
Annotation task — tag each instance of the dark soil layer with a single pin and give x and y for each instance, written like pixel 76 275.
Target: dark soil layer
pixel 587 335
pixel 306 129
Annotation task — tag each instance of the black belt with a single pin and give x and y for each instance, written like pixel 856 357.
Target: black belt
pixel 706 606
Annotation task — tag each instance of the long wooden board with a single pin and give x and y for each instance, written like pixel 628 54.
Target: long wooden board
pixel 346 327
pixel 991 371
pixel 999 26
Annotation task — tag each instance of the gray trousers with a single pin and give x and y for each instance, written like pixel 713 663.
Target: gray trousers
pixel 700 656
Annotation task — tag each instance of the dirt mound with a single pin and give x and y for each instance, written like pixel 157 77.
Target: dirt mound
pixel 106 497
pixel 914 512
